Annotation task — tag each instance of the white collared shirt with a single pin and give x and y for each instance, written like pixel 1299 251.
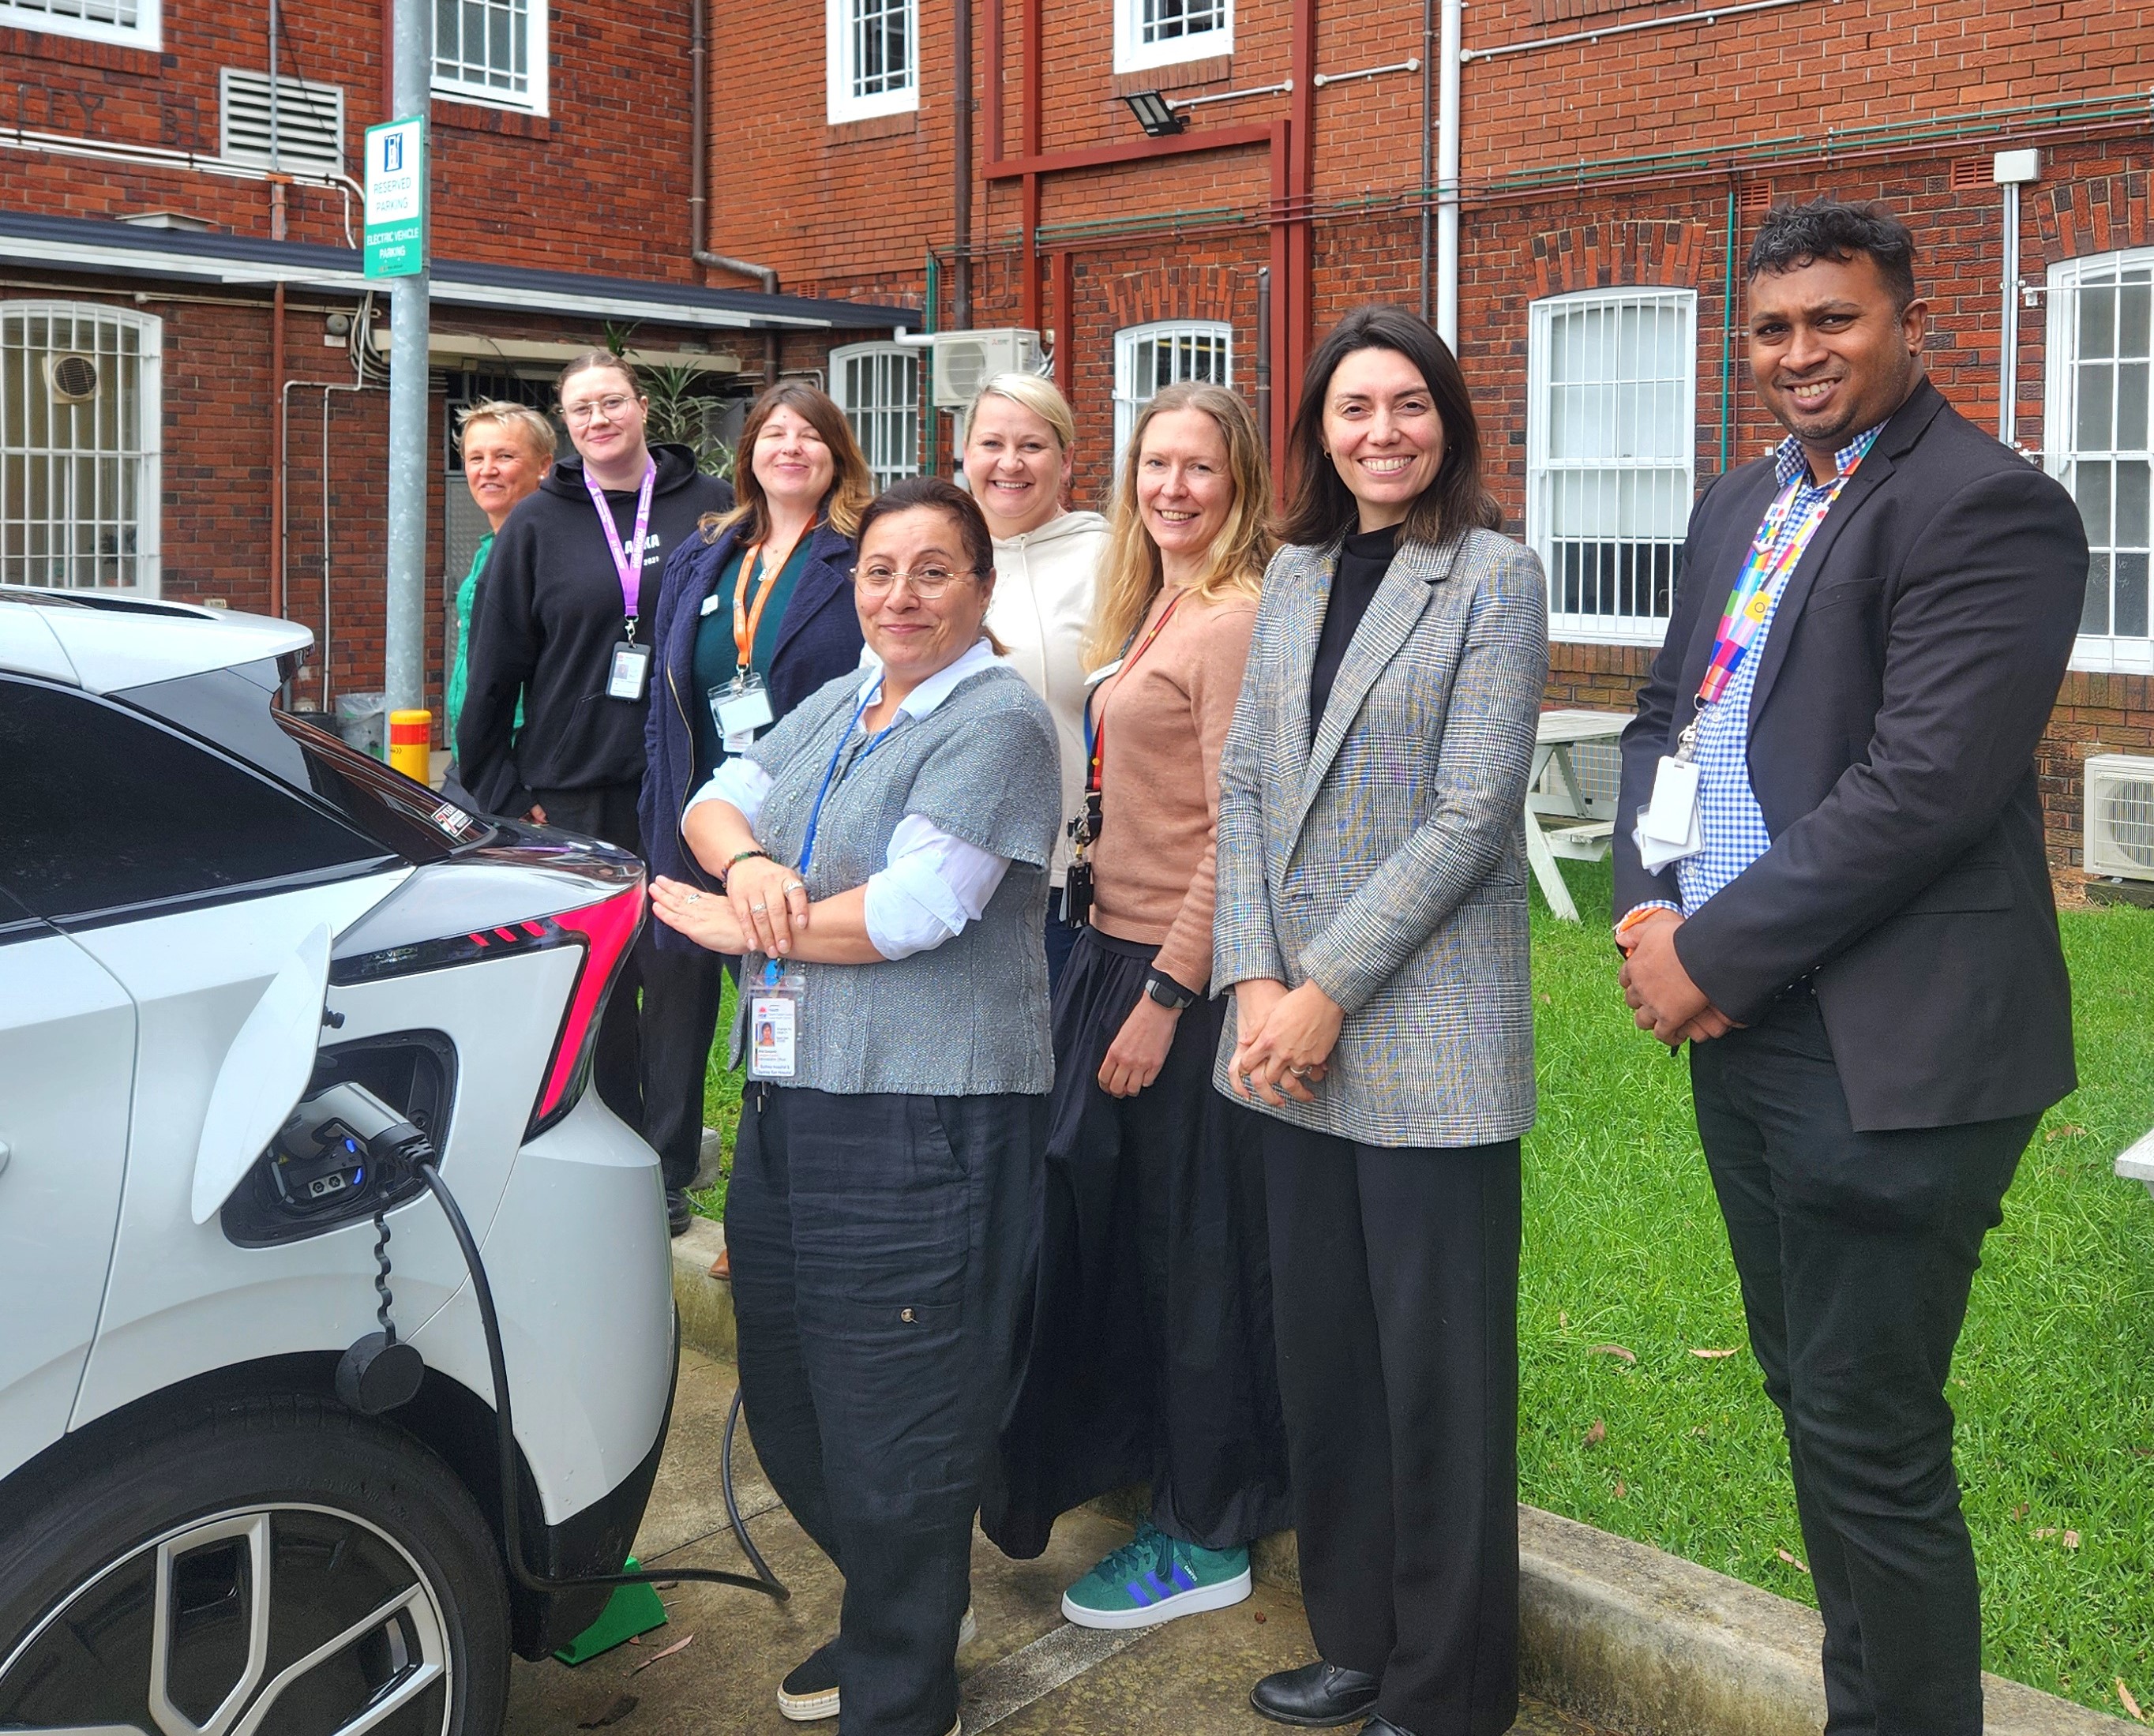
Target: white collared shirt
pixel 932 885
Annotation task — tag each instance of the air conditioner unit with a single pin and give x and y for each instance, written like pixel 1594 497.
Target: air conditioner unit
pixel 2119 835
pixel 966 360
pixel 70 379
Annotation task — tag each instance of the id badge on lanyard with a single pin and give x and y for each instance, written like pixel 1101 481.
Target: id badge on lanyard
pixel 740 708
pixel 628 675
pixel 773 1022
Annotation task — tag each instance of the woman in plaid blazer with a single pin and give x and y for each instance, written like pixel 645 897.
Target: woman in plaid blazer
pixel 1371 921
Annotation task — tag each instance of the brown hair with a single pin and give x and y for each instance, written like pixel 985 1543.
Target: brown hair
pixel 1321 508
pixel 852 483
pixel 599 359
pixel 1131 576
pixel 914 492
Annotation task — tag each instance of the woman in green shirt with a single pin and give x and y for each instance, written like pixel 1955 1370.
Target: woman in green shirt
pixel 508 449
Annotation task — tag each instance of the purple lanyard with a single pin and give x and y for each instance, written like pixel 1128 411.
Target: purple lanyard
pixel 627 562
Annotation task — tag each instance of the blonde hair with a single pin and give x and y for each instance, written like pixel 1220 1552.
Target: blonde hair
pixel 852 483
pixel 1130 575
pixel 532 426
pixel 1029 391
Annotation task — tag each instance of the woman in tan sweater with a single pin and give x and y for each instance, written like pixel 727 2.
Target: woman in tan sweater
pixel 1151 1355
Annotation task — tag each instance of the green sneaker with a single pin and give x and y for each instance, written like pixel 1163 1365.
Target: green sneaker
pixel 1154 1578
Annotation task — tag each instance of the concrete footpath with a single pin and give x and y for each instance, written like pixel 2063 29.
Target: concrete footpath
pixel 1029 1674
pixel 1620 1637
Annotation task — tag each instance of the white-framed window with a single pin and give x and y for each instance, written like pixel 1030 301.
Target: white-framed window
pixel 2097 443
pixel 80 424
pixel 1161 32
pixel 309 129
pixel 132 23
pixel 1148 357
pixel 878 387
pixel 873 59
pixel 492 52
pixel 1612 436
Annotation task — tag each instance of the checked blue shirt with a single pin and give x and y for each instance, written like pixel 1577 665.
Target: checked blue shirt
pixel 1731 823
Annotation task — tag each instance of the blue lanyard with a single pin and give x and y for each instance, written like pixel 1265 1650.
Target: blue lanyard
pixel 830 771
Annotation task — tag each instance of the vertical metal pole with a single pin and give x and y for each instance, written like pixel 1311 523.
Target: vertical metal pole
pixel 404 635
pixel 1446 173
pixel 1264 354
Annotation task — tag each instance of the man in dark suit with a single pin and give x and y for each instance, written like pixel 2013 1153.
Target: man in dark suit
pixel 1836 891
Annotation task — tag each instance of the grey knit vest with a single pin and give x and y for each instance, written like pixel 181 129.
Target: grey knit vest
pixel 967 1018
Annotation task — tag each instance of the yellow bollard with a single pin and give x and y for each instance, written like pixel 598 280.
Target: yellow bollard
pixel 411 740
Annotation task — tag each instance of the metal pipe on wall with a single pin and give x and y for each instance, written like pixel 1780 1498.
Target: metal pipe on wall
pixel 1427 148
pixel 2007 348
pixel 960 152
pixel 1447 172
pixel 1263 392
pixel 699 183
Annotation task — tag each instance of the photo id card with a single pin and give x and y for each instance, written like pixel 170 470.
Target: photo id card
pixel 742 706
pixel 631 673
pixel 772 1036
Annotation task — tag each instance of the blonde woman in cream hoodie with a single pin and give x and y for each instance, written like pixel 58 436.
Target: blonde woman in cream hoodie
pixel 1018 437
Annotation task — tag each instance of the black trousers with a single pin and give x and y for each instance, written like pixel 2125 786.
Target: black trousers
pixel 654 1045
pixel 882 1255
pixel 1151 1356
pixel 1855 1251
pixel 1395 1283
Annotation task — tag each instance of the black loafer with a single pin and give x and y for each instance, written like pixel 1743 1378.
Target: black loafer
pixel 1315 1696
pixel 679 1213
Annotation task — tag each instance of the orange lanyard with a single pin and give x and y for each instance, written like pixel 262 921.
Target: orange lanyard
pixel 1098 730
pixel 746 620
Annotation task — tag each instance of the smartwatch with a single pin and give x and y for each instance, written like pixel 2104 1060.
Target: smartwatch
pixel 1168 992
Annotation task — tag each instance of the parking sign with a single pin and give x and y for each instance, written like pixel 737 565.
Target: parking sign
pixel 397 198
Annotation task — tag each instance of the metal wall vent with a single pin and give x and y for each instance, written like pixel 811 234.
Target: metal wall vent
pixel 70 379
pixel 310 123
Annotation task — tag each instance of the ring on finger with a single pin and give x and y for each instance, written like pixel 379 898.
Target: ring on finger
pixel 758 908
pixel 1301 1072
pixel 792 886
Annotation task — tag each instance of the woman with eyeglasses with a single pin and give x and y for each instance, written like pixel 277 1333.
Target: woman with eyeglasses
pixel 562 622
pixel 884 856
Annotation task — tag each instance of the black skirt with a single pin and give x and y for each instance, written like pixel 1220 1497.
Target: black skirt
pixel 1151 1355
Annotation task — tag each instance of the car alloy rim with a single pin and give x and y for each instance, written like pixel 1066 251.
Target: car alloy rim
pixel 249 1622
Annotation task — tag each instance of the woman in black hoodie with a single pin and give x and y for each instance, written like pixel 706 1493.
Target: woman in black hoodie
pixel 562 621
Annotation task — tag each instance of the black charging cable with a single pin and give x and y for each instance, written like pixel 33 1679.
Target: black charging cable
pixel 531 1580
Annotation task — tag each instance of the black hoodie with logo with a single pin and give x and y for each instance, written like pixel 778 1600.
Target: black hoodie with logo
pixel 545 623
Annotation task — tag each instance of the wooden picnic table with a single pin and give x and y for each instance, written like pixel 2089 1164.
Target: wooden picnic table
pixel 1561 820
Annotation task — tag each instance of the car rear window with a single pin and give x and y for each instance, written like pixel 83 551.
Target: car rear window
pixel 108 810
pixel 231 708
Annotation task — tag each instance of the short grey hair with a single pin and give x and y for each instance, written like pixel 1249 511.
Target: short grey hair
pixel 538 431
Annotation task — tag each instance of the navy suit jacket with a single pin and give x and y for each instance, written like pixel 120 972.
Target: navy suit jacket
pixel 1910 673
pixel 818 639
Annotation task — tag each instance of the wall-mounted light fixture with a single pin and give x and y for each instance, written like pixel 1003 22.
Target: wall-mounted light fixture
pixel 1154 115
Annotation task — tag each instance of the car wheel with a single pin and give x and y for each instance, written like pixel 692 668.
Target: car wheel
pixel 275 1566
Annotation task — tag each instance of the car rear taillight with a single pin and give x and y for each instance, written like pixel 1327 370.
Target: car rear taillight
pixel 605 930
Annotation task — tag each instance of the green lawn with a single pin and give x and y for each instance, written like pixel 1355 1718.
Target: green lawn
pixel 2054 1383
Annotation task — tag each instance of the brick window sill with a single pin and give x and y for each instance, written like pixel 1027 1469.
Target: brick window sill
pixel 479 117
pixel 109 56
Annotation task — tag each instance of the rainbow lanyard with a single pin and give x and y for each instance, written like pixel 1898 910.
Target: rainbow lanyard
pixel 1774 552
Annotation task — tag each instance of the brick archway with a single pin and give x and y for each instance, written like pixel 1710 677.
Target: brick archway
pixel 2076 218
pixel 1618 255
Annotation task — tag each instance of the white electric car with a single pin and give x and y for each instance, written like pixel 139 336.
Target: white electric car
pixel 233 952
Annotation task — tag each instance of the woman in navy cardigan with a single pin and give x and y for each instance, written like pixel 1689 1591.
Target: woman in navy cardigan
pixel 754 613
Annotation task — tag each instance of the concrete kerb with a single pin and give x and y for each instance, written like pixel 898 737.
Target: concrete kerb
pixel 1613 1631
